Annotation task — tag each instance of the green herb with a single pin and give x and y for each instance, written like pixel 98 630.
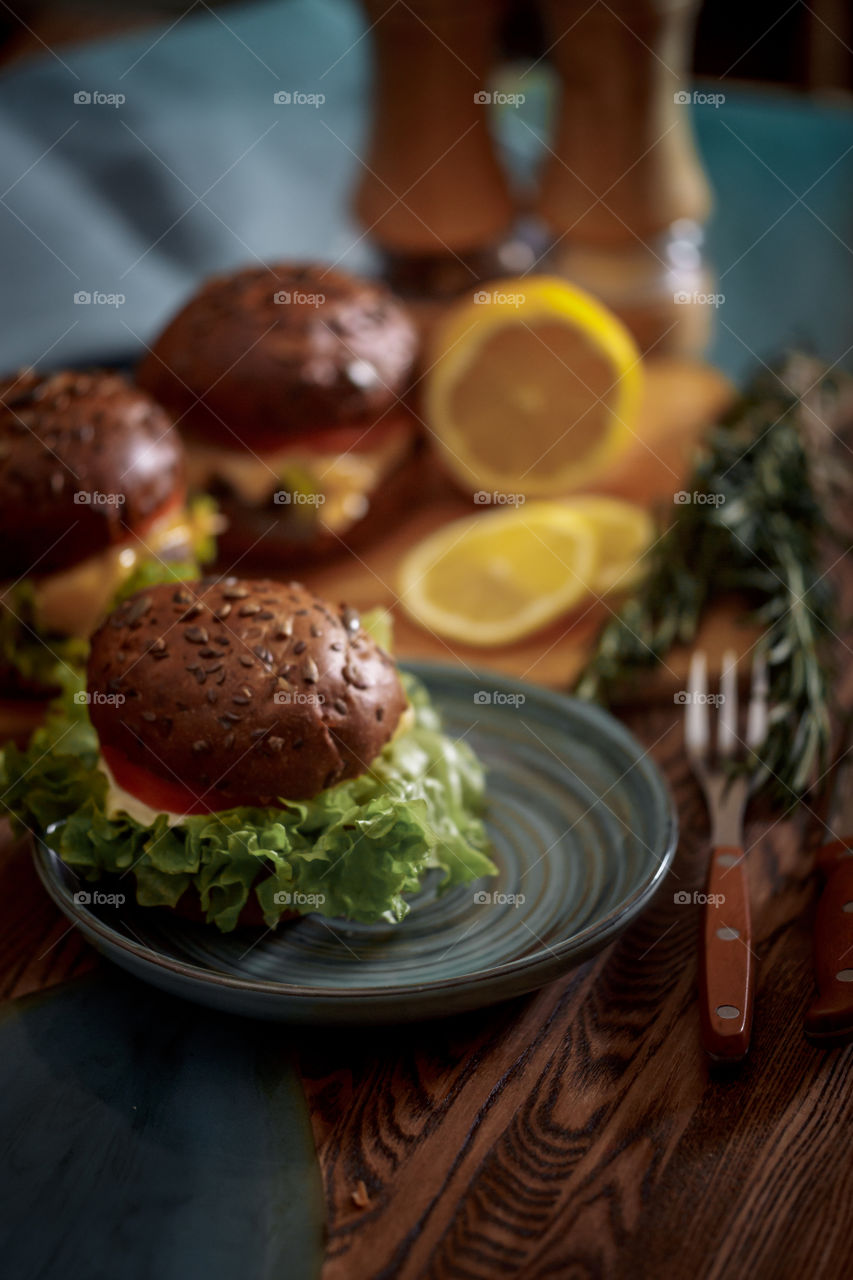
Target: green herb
pixel 771 491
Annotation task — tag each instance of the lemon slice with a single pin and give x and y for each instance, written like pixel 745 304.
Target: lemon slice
pixel 533 389
pixel 491 579
pixel 624 532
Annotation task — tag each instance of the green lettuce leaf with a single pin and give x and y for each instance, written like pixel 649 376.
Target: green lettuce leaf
pixel 36 659
pixel 356 850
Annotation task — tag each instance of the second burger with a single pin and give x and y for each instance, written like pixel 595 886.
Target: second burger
pixel 289 383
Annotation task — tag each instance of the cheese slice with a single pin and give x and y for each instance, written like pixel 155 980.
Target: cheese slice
pixel 343 481
pixel 73 601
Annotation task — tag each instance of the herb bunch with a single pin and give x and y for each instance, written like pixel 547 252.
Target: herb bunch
pixel 772 493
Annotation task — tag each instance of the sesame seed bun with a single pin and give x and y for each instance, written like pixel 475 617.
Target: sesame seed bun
pixel 246 691
pixel 269 353
pixel 86 462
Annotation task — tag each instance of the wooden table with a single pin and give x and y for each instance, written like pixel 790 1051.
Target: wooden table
pixel 580 1131
pixel 577 1132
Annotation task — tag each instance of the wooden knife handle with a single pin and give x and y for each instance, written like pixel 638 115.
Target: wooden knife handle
pixel 727 968
pixel 829 1020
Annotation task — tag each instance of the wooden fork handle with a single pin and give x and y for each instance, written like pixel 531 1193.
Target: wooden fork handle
pixel 727 969
pixel 829 1020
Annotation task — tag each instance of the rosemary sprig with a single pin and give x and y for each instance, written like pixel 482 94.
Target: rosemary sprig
pixel 770 493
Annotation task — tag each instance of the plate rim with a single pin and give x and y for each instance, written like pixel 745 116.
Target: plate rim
pixel 560 956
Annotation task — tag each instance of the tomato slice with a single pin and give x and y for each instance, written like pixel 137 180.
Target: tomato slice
pixel 163 794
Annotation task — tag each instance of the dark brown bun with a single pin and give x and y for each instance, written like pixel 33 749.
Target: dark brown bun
pixel 237 368
pixel 244 691
pixel 86 461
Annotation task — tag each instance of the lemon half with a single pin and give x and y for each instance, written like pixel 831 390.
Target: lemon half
pixel 533 388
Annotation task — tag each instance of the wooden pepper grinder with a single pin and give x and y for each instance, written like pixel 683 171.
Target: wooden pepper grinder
pixel 433 195
pixel 623 193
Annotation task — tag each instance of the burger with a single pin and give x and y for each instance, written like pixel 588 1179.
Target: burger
pixel 290 385
pixel 245 751
pixel 92 504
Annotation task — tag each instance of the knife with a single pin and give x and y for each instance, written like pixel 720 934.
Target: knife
pixel 829 1020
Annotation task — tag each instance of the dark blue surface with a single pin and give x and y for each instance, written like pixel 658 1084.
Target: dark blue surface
pixel 121 209
pixel 144 1139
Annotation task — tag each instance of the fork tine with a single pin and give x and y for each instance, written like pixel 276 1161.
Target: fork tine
pixel 696 711
pixel 727 720
pixel 757 715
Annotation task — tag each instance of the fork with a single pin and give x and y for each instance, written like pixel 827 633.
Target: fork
pixel 727 967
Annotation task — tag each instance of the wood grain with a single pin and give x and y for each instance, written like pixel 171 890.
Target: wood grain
pixel 581 1132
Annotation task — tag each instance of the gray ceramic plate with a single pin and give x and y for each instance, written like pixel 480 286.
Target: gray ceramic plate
pixel 583 830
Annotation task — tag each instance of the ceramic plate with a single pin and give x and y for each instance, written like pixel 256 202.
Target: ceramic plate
pixel 583 831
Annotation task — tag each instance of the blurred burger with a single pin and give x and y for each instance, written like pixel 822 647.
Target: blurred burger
pixel 289 383
pixel 249 751
pixel 92 502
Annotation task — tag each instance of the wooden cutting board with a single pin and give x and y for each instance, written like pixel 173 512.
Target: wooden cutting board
pixel 681 399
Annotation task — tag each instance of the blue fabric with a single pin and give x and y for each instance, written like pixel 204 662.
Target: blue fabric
pixel 88 206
